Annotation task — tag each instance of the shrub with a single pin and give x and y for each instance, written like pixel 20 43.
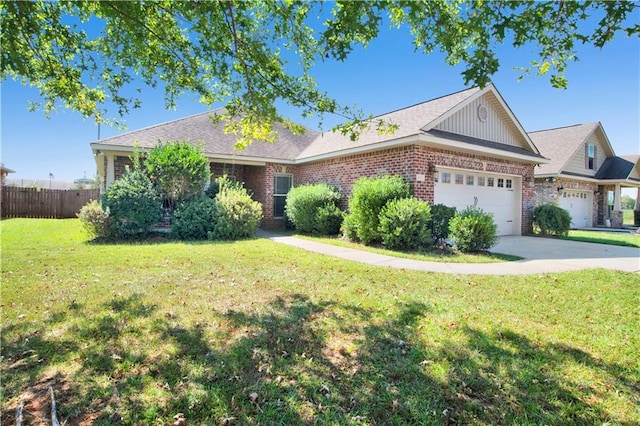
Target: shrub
pixel 439 224
pixel 349 227
pixel 305 203
pixel 369 196
pixel 328 220
pixel 404 224
pixel 193 219
pixel 133 203
pixel 552 220
pixel 221 181
pixel 179 170
pixel 95 220
pixel 473 230
pixel 236 214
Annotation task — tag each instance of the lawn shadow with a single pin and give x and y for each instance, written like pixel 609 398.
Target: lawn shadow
pixel 293 361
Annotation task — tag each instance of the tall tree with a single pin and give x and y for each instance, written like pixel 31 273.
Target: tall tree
pixel 251 54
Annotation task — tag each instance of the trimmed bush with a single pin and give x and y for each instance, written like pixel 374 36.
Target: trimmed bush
pixel 194 219
pixel 236 214
pixel 439 224
pixel 473 230
pixel 349 227
pixel 328 220
pixel 552 220
pixel 404 224
pixel 369 196
pixel 306 203
pixel 133 203
pixel 95 221
pixel 179 171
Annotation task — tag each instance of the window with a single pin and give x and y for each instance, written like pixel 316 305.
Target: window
pixel 446 177
pixel 591 156
pixel 480 180
pixel 490 181
pixel 459 179
pixel 281 186
pixel 509 183
pixel 500 183
pixel 470 180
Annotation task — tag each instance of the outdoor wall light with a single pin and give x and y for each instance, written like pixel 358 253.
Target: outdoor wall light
pixel 432 169
pixel 560 188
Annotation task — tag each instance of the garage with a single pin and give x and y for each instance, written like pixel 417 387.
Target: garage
pixel 493 193
pixel 578 204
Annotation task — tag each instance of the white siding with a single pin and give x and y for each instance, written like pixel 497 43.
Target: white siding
pixel 578 163
pixel 466 122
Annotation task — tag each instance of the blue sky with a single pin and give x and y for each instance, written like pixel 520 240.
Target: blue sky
pixel 603 86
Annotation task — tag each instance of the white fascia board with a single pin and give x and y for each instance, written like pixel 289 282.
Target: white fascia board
pixel 465 147
pixel 362 149
pixel 214 158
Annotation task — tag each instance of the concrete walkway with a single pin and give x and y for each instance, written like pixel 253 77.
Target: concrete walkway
pixel 540 255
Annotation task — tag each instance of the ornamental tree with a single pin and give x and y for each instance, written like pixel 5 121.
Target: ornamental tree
pixel 253 55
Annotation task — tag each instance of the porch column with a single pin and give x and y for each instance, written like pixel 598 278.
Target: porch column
pixel 111 171
pixel 617 205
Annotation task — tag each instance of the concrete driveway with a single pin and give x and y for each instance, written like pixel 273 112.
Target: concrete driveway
pixel 540 255
pixel 553 255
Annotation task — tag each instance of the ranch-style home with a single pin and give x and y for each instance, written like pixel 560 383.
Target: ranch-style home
pixel 461 149
pixel 584 176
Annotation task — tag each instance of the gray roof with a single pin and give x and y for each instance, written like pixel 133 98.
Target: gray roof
pixel 560 144
pixel 617 168
pixel 410 121
pixel 200 128
pixel 483 143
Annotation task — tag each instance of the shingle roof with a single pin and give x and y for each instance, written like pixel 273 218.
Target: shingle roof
pixel 410 121
pixel 559 145
pixel 617 168
pixel 200 129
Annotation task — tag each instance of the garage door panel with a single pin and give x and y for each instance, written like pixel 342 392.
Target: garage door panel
pixel 501 201
pixel 578 204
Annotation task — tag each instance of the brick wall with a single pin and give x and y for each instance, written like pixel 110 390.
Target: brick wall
pixel 120 165
pixel 409 161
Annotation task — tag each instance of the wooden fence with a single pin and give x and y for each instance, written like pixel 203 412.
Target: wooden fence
pixel 44 203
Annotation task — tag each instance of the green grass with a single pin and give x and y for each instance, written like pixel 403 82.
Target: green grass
pixel 254 332
pixel 601 237
pixel 627 217
pixel 447 255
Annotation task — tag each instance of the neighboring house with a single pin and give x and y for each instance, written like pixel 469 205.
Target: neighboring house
pixel 4 171
pixel 462 149
pixel 583 175
pixel 41 183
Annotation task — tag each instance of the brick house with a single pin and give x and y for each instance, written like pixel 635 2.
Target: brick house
pixel 461 149
pixel 584 175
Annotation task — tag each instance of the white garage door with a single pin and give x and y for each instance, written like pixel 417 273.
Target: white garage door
pixel 577 203
pixel 495 194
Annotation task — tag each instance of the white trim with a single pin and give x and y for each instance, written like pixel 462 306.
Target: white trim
pixel 362 149
pixel 274 195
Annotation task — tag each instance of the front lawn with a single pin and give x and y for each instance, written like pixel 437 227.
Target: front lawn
pixel 602 237
pixel 256 332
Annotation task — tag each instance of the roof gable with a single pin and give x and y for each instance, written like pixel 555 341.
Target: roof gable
pixel 443 115
pixel 565 147
pixel 485 117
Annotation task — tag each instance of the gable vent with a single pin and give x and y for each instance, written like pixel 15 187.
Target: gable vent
pixel 482 113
